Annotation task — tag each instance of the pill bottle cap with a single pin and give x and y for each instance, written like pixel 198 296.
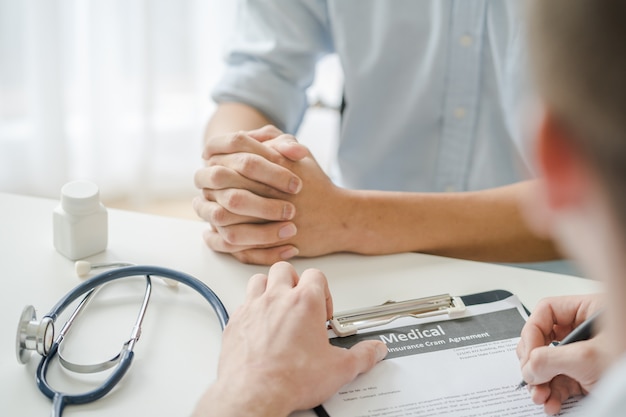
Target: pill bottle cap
pixel 80 197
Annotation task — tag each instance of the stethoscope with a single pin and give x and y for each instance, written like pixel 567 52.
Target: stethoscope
pixel 38 335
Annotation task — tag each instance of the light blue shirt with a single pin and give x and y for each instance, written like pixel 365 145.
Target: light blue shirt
pixel 435 90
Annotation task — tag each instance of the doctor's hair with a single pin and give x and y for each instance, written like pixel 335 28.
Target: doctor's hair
pixel 578 55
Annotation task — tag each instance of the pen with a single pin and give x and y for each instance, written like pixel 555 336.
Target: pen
pixel 582 332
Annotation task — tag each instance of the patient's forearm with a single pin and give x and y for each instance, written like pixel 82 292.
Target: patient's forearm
pixel 233 117
pixel 484 225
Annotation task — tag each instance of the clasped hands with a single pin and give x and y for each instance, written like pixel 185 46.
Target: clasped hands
pixel 266 198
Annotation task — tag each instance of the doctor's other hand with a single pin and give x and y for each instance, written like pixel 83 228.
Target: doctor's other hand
pixel 252 218
pixel 556 374
pixel 275 355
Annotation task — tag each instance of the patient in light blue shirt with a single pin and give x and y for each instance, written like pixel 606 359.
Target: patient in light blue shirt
pixel 437 99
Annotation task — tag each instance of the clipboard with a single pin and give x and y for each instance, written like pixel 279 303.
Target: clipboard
pixel 349 322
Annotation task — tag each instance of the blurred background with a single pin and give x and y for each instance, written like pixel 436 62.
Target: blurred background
pixel 118 92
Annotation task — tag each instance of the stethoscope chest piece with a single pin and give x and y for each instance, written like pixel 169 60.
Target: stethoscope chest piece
pixel 33 334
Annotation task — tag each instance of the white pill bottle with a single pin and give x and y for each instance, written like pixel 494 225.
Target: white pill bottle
pixel 80 221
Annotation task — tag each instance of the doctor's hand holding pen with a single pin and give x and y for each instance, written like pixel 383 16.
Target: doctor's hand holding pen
pixel 556 374
pixel 275 356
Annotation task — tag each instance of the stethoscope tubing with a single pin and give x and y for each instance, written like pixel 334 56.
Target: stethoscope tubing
pixel 140 270
pixel 59 399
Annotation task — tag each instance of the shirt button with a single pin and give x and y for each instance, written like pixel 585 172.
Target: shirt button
pixel 465 40
pixel 459 112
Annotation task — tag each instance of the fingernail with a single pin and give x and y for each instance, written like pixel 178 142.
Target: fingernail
pixel 289 253
pixel 381 352
pixel 288 212
pixel 287 231
pixel 294 185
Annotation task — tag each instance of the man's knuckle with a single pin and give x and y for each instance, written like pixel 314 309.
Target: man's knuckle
pixel 237 139
pixel 208 194
pixel 229 235
pixel 536 361
pixel 244 257
pixel 587 354
pixel 248 163
pixel 218 215
pixel 306 298
pixel 234 199
pixel 216 176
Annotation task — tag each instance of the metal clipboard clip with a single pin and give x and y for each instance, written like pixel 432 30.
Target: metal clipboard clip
pixel 347 323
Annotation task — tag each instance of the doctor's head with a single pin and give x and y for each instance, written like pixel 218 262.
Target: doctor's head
pixel 578 53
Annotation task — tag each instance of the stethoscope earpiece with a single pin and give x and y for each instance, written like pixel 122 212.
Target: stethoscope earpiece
pixel 83 268
pixel 33 335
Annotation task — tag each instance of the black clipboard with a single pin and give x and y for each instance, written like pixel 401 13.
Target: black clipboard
pixel 470 299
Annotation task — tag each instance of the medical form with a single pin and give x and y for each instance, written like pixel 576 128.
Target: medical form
pixel 442 366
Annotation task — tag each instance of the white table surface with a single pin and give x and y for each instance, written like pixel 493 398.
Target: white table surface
pixel 177 355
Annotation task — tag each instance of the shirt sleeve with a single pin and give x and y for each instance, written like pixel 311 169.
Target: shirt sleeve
pixel 271 57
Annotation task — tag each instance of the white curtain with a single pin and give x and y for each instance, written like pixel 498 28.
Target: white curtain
pixel 115 91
